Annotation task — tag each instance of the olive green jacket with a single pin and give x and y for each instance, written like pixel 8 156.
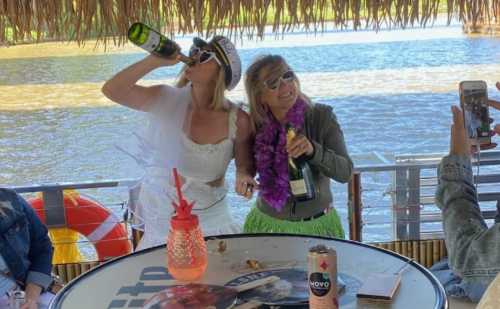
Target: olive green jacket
pixel 330 160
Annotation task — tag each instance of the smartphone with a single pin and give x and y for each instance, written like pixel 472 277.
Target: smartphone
pixel 474 103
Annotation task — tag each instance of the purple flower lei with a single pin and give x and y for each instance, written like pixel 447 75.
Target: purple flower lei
pixel 271 156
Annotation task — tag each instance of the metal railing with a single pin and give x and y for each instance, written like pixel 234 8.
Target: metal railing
pixel 413 186
pixel 61 208
pixel 414 179
pixel 52 194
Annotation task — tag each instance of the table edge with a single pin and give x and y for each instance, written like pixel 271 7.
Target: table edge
pixel 441 300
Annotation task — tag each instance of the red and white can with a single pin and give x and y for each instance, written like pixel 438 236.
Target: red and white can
pixel 322 268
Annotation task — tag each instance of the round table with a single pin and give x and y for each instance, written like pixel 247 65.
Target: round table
pixel 128 281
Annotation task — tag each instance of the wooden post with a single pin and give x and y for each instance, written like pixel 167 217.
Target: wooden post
pixel 414 203
pixel 400 210
pixel 354 207
pixel 436 254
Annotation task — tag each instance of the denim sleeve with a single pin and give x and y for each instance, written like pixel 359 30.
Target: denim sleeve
pixel 40 252
pixel 473 249
pixel 331 157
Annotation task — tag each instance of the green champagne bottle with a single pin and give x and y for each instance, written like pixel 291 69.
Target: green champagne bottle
pixel 299 173
pixel 154 42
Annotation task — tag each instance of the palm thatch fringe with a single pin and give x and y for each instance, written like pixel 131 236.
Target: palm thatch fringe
pixel 107 20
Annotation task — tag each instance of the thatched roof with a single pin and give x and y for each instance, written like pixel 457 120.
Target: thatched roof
pixel 109 19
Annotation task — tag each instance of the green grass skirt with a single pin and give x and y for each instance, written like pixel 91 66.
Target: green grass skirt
pixel 328 225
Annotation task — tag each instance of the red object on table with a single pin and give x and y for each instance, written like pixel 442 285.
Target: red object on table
pixel 186 248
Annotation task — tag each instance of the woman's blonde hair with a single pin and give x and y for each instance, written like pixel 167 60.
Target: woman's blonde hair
pixel 218 100
pixel 254 86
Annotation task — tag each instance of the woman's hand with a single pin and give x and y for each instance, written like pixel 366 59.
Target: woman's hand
pixel 496 129
pixel 245 185
pixel 32 293
pixel 299 145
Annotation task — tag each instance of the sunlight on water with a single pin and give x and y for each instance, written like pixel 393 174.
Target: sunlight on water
pixel 442 79
pixel 32 97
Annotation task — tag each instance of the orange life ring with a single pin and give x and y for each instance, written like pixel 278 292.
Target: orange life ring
pixel 94 221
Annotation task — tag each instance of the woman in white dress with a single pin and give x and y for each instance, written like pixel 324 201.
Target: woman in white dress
pixel 193 127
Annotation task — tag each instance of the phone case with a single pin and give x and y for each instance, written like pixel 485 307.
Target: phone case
pixel 474 103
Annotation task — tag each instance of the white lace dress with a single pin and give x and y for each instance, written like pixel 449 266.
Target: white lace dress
pixel 198 164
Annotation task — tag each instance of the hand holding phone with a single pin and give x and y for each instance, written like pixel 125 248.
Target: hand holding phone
pixel 474 103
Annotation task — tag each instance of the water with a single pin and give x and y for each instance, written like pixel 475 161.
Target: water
pixel 391 92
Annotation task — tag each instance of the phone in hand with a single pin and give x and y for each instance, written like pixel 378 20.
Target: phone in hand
pixel 474 103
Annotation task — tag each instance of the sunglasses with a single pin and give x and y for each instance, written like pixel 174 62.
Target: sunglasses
pixel 273 84
pixel 203 55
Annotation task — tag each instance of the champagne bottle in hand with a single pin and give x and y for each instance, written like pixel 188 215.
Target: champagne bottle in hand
pixel 299 173
pixel 154 42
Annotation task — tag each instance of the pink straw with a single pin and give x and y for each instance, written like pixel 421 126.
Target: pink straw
pixel 178 186
pixel 183 208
